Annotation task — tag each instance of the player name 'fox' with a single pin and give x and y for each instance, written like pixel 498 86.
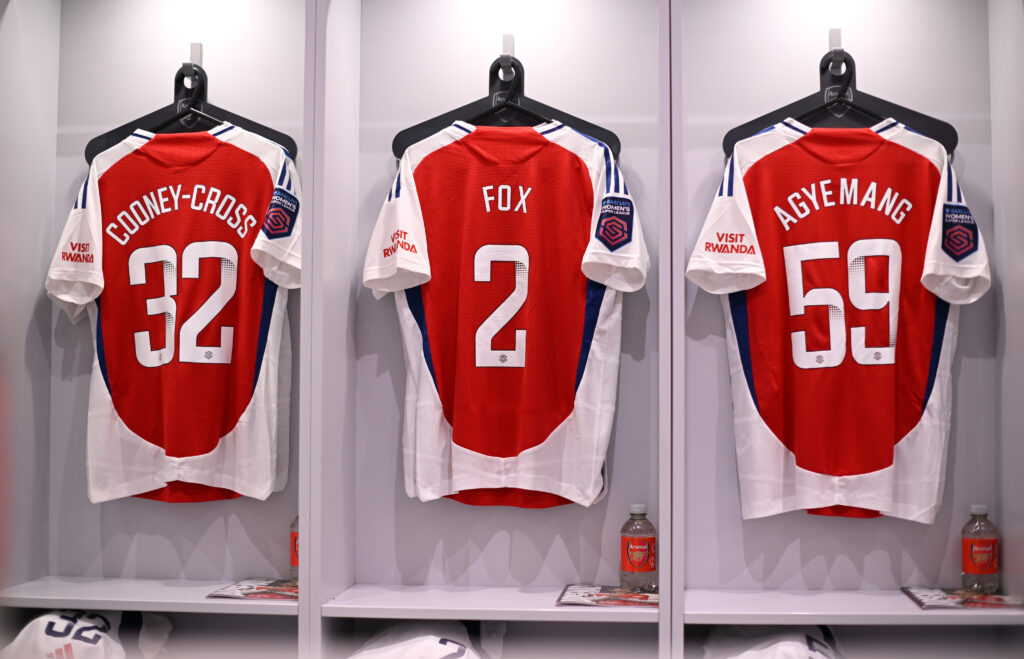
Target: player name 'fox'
pixel 167 199
pixel 824 194
pixel 504 198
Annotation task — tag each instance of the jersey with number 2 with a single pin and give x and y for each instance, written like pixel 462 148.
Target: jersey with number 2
pixel 844 254
pixel 181 248
pixel 508 249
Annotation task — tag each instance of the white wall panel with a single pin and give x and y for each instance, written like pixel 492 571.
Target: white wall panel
pixel 331 289
pixel 1006 30
pixel 29 43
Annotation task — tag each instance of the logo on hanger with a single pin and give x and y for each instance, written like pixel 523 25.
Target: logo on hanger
pixel 831 93
pixel 959 232
pixel 504 114
pixel 615 226
pixel 190 119
pixel 282 214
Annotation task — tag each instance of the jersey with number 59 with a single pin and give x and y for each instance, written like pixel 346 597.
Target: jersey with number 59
pixel 181 248
pixel 508 249
pixel 844 254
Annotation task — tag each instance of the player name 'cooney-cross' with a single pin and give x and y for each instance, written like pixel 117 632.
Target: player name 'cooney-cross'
pixel 823 195
pixel 205 199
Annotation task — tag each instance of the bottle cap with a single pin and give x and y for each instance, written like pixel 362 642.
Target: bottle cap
pixel 979 509
pixel 638 509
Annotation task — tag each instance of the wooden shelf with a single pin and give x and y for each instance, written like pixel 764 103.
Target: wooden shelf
pixel 788 607
pixel 473 603
pixel 136 595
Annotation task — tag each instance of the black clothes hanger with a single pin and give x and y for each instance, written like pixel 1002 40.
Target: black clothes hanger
pixel 189 112
pixel 499 112
pixel 841 99
pixel 504 106
pixel 840 104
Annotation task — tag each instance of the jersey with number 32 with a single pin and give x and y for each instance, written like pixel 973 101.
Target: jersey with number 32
pixel 67 634
pixel 844 254
pixel 508 249
pixel 181 248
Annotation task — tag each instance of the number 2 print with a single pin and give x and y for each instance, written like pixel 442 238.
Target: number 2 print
pixel 482 260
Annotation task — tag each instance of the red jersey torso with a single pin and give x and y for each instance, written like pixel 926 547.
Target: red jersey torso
pixel 497 410
pixel 196 367
pixel 862 245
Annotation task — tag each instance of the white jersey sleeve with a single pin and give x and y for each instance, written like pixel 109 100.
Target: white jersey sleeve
pixel 727 256
pixel 956 262
pixel 616 255
pixel 278 246
pixel 75 277
pixel 396 258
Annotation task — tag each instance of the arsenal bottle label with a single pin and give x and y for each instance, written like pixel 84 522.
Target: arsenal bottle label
pixel 637 554
pixel 295 549
pixel 980 555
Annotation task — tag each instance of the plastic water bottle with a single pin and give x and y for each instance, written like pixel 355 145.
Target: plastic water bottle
pixel 637 565
pixel 293 573
pixel 979 541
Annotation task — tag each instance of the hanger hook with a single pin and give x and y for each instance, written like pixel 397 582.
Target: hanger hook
pixel 505 65
pixel 829 63
pixel 516 88
pixel 844 81
pixel 197 93
pixel 836 68
pixel 511 86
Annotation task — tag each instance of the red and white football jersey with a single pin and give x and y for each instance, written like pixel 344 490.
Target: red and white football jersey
pixel 181 248
pixel 844 254
pixel 508 249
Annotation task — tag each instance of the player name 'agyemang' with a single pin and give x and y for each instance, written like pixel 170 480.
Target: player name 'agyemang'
pixel 823 195
pixel 206 199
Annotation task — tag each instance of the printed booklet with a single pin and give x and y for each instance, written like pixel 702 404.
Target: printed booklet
pixel 260 588
pixel 951 598
pixel 591 595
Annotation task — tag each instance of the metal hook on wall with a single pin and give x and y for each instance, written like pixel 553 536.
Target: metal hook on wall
pixel 835 45
pixel 508 51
